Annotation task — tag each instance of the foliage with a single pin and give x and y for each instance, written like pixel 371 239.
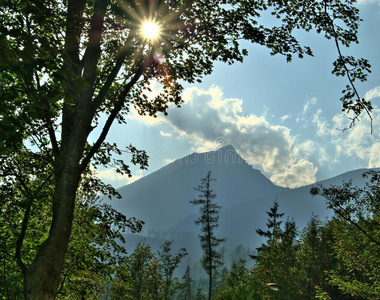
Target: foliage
pixel 276 259
pixel 274 224
pixel 356 237
pixel 238 284
pixel 314 258
pixel 95 248
pixel 209 220
pixel 168 263
pixel 24 178
pixel 335 259
pixel 186 286
pixel 145 275
pixel 70 69
pixel 94 243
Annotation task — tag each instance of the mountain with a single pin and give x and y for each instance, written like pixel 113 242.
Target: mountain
pixel 162 200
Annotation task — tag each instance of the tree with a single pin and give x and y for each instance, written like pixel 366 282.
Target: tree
pixel 168 263
pixel 95 248
pixel 94 243
pixel 311 257
pixel 274 224
pixel 276 259
pixel 136 275
pixel 209 217
pixel 238 283
pixel 355 237
pixel 144 275
pixel 70 67
pixel 186 290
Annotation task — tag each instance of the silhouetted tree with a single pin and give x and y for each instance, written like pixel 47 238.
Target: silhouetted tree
pixel 209 217
pixel 273 224
pixel 186 291
pixel 276 260
pixel 168 263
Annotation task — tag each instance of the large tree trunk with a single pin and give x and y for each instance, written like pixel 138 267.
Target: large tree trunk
pixel 43 277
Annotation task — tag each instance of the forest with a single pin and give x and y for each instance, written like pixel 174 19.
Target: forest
pixel 72 69
pixel 337 258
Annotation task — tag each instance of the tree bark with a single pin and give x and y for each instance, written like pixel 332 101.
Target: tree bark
pixel 43 276
pixel 42 279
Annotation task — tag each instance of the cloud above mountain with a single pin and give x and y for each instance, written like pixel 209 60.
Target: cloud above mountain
pixel 209 121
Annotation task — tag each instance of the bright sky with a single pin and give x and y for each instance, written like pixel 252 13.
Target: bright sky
pixel 281 117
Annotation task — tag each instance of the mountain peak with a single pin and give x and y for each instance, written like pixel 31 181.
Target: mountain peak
pixel 224 155
pixel 227 148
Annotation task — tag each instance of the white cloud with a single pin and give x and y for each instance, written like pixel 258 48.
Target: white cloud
pixel 373 93
pixel 167 134
pixel 207 117
pixel 148 120
pixel 153 89
pixel 284 117
pixel 110 176
pixel 354 143
pixel 306 108
pixel 307 147
pixel 288 160
pixel 374 156
pixel 320 122
pixel 168 161
pixel 291 177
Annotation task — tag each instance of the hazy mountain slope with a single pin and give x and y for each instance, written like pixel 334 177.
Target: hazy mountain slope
pixel 161 199
pixel 238 223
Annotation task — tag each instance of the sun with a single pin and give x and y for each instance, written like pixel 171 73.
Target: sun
pixel 150 30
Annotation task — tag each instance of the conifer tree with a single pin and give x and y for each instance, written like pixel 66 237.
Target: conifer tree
pixel 212 256
pixel 186 292
pixel 276 259
pixel 273 224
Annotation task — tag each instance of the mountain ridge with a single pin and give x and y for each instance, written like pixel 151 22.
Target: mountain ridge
pixel 162 198
pixel 168 183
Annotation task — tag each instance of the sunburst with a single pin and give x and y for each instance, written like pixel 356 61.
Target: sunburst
pixel 150 30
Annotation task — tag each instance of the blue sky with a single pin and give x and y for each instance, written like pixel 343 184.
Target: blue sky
pixel 281 117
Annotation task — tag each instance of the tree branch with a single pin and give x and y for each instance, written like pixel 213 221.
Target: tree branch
pixel 21 237
pixel 24 224
pixel 349 220
pixel 73 32
pixel 92 54
pixel 347 72
pixel 98 100
pixel 116 109
pixel 53 138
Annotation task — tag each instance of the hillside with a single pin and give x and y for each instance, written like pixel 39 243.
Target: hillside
pixel 161 200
